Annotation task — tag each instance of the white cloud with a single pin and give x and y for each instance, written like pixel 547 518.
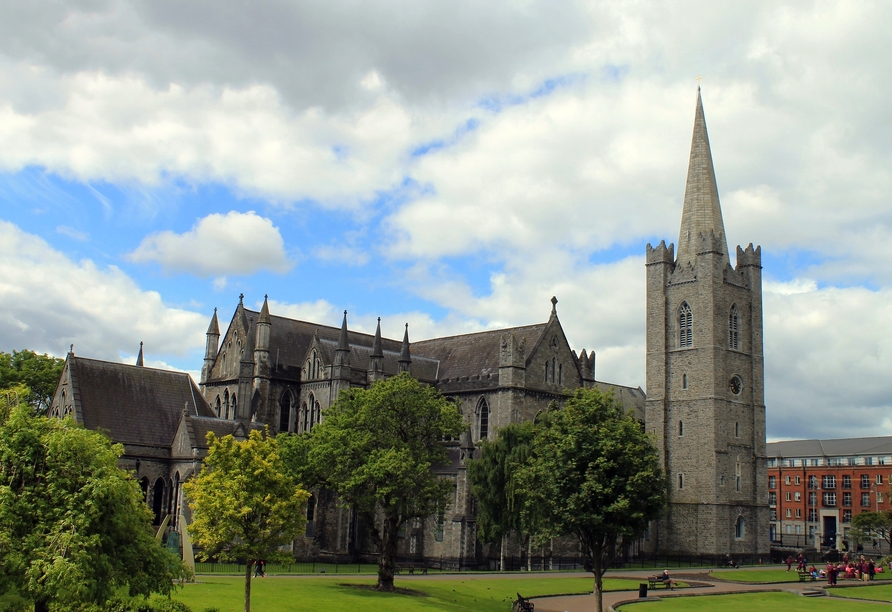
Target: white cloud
pixel 49 301
pixel 828 353
pixel 234 243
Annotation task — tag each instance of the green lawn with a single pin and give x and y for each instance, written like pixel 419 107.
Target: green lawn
pixel 332 594
pixel 877 593
pixel 763 602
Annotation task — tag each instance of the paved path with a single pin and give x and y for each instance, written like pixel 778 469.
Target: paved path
pixel 586 603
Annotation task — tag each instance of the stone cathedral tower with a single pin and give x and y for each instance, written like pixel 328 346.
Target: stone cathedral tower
pixel 705 400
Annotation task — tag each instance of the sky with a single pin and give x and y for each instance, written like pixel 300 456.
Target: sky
pixel 447 164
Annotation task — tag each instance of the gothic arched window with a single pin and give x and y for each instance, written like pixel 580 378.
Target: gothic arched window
pixel 234 404
pixel 733 335
pixel 483 418
pixel 226 404
pixel 740 528
pixel 217 406
pixel 315 366
pixel 318 413
pixel 305 414
pixel 312 412
pixel 285 412
pixel 685 326
pixel 553 368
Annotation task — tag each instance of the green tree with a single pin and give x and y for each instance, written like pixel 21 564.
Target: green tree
pixel 73 526
pixel 377 449
pixel 596 474
pixel 245 505
pixel 500 500
pixel 40 373
pixel 873 524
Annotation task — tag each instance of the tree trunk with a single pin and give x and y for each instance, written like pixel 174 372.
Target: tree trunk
pixel 503 552
pixel 529 553
pixel 248 585
pixel 387 557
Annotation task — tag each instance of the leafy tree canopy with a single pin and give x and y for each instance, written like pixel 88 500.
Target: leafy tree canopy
pixel 73 526
pixel 377 449
pixel 597 476
pixel 873 524
pixel 493 478
pixel 245 504
pixel 40 373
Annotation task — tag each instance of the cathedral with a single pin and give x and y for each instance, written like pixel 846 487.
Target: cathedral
pixel 704 403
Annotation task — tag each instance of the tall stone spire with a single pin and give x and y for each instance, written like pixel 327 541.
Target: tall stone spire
pixel 139 358
pixel 702 213
pixel 405 359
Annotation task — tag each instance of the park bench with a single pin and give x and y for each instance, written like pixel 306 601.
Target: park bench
pixel 410 568
pixel 522 604
pixel 654 582
pixel 806 577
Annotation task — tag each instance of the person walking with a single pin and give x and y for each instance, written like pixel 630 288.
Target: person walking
pixel 789 562
pixel 871 569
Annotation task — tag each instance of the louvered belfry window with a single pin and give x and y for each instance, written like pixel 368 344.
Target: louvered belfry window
pixel 685 326
pixel 733 335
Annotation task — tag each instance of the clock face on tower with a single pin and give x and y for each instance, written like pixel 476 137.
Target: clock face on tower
pixel 735 385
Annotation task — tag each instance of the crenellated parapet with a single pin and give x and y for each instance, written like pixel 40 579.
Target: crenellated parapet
pixel 683 274
pixel 749 257
pixel 587 366
pixel 660 254
pixel 710 242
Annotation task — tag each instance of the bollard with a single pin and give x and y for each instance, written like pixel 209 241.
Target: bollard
pixel 642 590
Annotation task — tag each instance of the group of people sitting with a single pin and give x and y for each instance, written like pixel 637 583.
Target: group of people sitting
pixel 856 569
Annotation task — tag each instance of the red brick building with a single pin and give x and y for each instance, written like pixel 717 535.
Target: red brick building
pixel 815 487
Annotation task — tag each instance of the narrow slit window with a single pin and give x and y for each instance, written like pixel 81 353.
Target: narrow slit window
pixel 681 428
pixel 681 481
pixel 733 327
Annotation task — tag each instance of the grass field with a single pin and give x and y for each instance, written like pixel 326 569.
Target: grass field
pixel 876 593
pixel 763 602
pixel 340 595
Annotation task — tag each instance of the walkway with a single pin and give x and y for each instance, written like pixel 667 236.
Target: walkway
pixel 586 603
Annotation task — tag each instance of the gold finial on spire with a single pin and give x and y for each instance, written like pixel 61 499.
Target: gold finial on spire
pixel 698 82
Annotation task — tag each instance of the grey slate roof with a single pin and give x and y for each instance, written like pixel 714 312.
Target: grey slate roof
pixel 134 404
pixel 472 354
pixel 842 447
pixel 289 339
pixel 422 368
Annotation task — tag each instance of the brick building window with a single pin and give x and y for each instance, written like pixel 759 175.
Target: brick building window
pixel 865 500
pixel 786 480
pixel 812 499
pixel 846 516
pixel 772 482
pixel 789 513
pixel 797 496
pixel 846 482
pixel 829 499
pixel 865 481
pixel 812 515
pixel 789 496
pixel 798 481
pixel 828 482
pixel 733 336
pixel 868 461
pixel 879 497
pixel 879 479
pixel 798 513
pixel 846 499
pixel 685 326
pixel 772 499
pixel 773 514
pixel 812 482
